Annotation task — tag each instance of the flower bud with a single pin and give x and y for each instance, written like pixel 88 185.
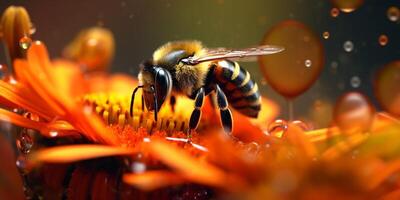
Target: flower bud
pixel 93 48
pixel 15 30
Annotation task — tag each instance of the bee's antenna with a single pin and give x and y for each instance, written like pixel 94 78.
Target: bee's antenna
pixel 133 99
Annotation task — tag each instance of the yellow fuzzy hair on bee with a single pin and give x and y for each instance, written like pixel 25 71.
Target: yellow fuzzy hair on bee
pixel 189 77
pixel 191 46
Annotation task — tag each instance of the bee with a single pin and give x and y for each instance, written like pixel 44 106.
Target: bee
pixel 189 68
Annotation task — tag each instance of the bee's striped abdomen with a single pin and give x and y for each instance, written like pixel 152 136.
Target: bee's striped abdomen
pixel 241 91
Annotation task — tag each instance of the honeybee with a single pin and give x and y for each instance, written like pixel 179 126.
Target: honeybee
pixel 188 68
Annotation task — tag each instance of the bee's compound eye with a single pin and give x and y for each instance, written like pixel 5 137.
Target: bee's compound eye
pixel 148 96
pixel 163 85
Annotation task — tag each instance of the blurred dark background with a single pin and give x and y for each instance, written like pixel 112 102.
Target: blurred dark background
pixel 141 26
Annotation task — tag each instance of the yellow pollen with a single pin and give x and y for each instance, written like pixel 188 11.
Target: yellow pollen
pixel 114 110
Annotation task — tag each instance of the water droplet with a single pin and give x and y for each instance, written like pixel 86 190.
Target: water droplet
pixel 278 127
pixel 4 71
pixel 53 133
pixel 335 12
pixel 32 29
pixel 393 14
pixel 23 164
pixel 325 35
pixel 138 167
pixel 301 125
pixel 355 81
pixel 308 63
pixel 24 142
pixel 353 113
pixel 31 116
pixel 25 42
pixel 252 148
pixel 348 46
pixel 383 40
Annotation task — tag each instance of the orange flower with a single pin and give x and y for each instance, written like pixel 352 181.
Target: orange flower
pixel 103 146
pixel 49 90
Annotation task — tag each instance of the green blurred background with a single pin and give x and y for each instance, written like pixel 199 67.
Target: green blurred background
pixel 141 26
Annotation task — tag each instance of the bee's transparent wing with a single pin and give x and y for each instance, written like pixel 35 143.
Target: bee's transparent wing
pixel 235 54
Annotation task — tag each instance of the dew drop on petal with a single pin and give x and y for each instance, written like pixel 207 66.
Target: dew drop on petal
pixel 277 127
pixel 31 116
pixel 387 89
pixel 32 29
pixel 353 113
pixel 23 164
pixel 25 42
pixel 53 133
pixel 348 46
pixel 326 35
pixel 252 148
pixel 383 40
pixel 393 14
pixel 301 125
pixel 138 167
pixel 355 81
pixel 308 63
pixel 335 12
pixel 24 142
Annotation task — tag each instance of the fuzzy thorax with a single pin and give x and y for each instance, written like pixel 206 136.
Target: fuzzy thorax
pixel 188 78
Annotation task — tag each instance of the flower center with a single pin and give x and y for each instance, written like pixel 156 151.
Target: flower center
pixel 114 110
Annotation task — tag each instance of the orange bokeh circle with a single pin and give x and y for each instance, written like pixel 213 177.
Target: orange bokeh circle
pixel 387 87
pixel 294 70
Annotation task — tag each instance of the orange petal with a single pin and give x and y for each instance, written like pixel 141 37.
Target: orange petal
pixel 343 147
pixel 153 179
pixel 93 127
pixel 73 153
pixel 297 137
pixel 394 195
pixel 383 174
pixel 12 94
pixel 250 130
pixel 66 76
pixel 16 119
pixel 38 76
pixel 189 167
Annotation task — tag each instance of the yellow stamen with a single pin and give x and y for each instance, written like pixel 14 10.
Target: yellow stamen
pixel 114 110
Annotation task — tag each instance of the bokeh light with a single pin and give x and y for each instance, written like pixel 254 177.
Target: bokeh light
pixel 387 87
pixel 347 6
pixel 353 113
pixel 283 70
pixel 383 40
pixel 393 13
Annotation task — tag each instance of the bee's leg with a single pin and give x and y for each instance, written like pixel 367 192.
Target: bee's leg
pixel 133 99
pixel 172 102
pixel 196 114
pixel 153 89
pixel 226 115
pixel 142 102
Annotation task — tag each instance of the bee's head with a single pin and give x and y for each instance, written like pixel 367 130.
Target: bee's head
pixel 157 85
